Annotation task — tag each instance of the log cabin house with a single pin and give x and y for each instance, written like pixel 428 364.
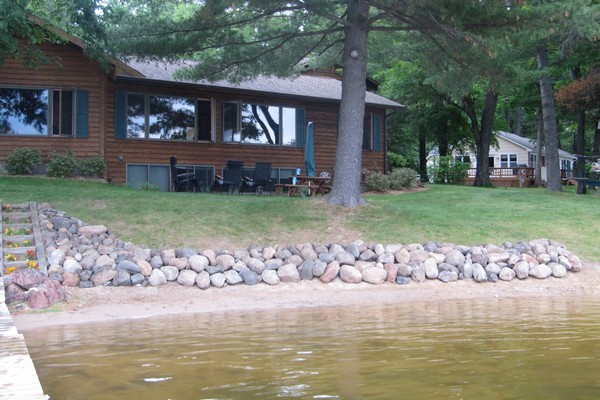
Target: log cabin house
pixel 138 115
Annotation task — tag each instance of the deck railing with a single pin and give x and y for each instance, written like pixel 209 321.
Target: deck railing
pixel 513 172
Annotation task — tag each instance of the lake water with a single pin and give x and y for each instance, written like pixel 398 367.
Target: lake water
pixel 492 349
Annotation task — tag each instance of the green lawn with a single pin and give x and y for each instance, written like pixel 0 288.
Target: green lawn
pixel 458 214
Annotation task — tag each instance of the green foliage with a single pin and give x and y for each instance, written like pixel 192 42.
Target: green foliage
pixel 23 161
pixel 449 171
pixel 402 178
pixel 92 167
pixel 396 160
pixel 377 181
pixel 62 165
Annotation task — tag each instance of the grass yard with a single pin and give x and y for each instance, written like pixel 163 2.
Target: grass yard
pixel 458 214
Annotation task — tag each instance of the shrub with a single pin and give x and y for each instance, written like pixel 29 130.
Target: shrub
pixel 92 167
pixel 402 178
pixel 62 165
pixel 377 181
pixel 396 160
pixel 450 171
pixel 23 161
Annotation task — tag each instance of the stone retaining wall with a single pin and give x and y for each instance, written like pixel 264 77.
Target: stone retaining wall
pixel 87 256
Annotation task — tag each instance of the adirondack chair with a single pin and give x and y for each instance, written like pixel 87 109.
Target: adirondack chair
pixel 231 179
pixel 260 180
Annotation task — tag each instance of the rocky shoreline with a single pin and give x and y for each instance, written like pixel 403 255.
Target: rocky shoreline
pixel 80 255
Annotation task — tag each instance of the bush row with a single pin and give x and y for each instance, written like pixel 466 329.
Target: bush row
pixel 397 179
pixel 25 161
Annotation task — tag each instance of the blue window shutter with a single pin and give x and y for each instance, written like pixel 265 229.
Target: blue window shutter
pixel 300 127
pixel 81 114
pixel 376 132
pixel 120 115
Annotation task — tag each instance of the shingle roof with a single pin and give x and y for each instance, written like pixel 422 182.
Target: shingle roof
pixel 302 86
pixel 529 144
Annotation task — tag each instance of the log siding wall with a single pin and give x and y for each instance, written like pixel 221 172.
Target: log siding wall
pixel 70 70
pixel 78 72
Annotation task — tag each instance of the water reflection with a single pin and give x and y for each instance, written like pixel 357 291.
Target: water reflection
pixel 503 349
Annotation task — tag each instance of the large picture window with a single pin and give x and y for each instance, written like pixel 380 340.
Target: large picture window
pixel 262 124
pixel 28 111
pixel 144 116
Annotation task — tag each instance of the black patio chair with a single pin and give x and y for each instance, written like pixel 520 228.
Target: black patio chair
pixel 181 180
pixel 231 179
pixel 261 179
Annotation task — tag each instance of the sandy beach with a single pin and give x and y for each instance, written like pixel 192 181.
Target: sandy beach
pixel 101 304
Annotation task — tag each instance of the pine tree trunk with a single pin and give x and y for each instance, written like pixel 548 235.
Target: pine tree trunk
pixel 483 139
pixel 538 150
pixel 579 147
pixel 346 181
pixel 423 155
pixel 553 182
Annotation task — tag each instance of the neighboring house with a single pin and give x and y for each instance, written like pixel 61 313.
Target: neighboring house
pixel 138 115
pixel 515 151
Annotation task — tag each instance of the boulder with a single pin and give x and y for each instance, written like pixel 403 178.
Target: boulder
pixel 349 274
pixel 27 278
pixel 92 230
pixel 375 275
pixel 203 280
pixel 157 278
pixel 331 272
pixel 288 273
pixel 187 277
pixel 170 272
pixel 270 277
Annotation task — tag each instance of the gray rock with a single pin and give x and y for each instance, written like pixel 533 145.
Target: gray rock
pixel 156 262
pixel 283 254
pixel 86 284
pixel 335 249
pixel 455 257
pixel 326 257
pixel 137 279
pixel 306 270
pixel 393 248
pixel 170 272
pixel 92 230
pixel 402 256
pixel 103 275
pixel 57 257
pixel 218 280
pixel 541 271
pixel 492 277
pixel 368 255
pixel 418 256
pixel 379 249
pixel 288 273
pixel 249 277
pixel 270 277
pixel 232 277
pixel 61 222
pixel 507 274
pixel 386 258
pixel 185 252
pixel 257 265
pixel 349 274
pixel 575 263
pixel 402 280
pixel 353 249
pixel 104 261
pixel 498 257
pixel 123 278
pixel 479 274
pixel 187 277
pixel 565 262
pixel 558 270
pixel 319 268
pixel 493 268
pixel 85 275
pixel 142 254
pixel 448 276
pixel 431 269
pixel 128 266
pixel 418 273
pixel 521 270
pixel 374 275
pixel 214 269
pixel 295 259
pixel 308 253
pixel 273 264
pixel 87 262
pixel 345 258
pixel 71 265
pixel 203 280
pixel 268 253
pixel 404 270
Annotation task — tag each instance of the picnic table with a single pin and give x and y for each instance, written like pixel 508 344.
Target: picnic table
pixel 315 185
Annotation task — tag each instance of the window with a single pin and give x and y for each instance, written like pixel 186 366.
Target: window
pixel 160 175
pixel 372 132
pixel 463 158
pixel 532 160
pixel 508 160
pixel 43 112
pixel 263 124
pixel 143 116
pixel 565 164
